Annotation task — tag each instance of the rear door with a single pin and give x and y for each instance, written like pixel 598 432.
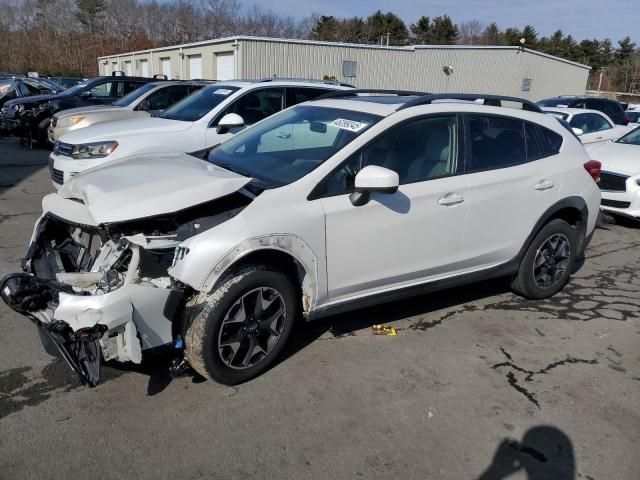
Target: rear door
pixel 513 176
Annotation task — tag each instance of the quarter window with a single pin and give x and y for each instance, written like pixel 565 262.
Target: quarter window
pixel 496 142
pixel 419 150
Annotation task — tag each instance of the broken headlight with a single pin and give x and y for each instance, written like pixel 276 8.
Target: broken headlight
pixel 94 149
pixel 179 254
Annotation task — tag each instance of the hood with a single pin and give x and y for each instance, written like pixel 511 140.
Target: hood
pixel 87 110
pixel 617 157
pixel 133 127
pixel 148 185
pixel 32 99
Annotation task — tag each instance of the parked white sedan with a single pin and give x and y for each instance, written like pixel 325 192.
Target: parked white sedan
pixel 620 177
pixel 591 126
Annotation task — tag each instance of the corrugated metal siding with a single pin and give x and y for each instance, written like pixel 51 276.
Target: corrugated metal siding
pixel 499 71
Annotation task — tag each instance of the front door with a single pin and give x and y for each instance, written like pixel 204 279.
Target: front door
pixel 407 237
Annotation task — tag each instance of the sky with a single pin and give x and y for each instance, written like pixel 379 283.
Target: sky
pixel 600 19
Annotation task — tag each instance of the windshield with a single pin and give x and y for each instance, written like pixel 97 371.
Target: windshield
pixel 285 147
pixel 631 138
pixel 198 104
pixel 5 86
pixel 50 84
pixel 554 102
pixel 131 97
pixel 562 116
pixel 77 88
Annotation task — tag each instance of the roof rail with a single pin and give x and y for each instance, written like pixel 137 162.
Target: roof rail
pixel 492 100
pixel 298 79
pixel 356 92
pixel 118 73
pixel 160 76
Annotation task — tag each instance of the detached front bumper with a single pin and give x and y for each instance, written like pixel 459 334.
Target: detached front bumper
pixel 92 301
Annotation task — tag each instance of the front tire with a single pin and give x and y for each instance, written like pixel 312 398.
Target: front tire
pixel 546 266
pixel 237 331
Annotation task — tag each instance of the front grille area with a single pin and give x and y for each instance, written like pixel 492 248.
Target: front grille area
pixel 57 176
pixel 63 149
pixel 615 203
pixel 612 182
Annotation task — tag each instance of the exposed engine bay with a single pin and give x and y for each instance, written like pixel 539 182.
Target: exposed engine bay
pixel 103 291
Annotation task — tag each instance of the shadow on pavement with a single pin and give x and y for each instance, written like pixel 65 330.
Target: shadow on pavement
pixel 545 453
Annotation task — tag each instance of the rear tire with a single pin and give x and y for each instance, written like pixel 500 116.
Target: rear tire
pixel 546 266
pixel 41 134
pixel 237 331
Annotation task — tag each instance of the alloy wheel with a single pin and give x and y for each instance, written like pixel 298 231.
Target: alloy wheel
pixel 552 260
pixel 251 328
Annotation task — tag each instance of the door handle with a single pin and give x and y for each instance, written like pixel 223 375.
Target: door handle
pixel 450 199
pixel 543 185
pixel 283 135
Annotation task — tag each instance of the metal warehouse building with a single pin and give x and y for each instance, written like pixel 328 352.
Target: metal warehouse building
pixel 506 70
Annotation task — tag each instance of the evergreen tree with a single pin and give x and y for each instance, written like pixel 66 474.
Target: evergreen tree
pixel 326 29
pixel 379 25
pixel 422 30
pixel 445 32
pixel 90 13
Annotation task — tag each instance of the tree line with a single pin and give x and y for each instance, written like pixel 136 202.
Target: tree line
pixel 66 36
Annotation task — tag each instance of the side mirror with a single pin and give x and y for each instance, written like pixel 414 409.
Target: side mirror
pixel 86 94
pixel 144 105
pixel 578 131
pixel 45 91
pixel 230 120
pixel 373 179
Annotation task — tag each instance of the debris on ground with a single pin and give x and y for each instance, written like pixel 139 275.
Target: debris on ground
pixel 384 330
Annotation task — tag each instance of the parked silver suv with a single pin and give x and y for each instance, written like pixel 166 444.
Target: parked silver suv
pixel 149 99
pixel 349 200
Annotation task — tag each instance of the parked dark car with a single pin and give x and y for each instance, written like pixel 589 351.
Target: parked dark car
pixel 31 116
pixel 19 87
pixel 611 108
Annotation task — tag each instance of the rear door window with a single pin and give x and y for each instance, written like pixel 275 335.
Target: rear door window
pixel 166 97
pixel 495 142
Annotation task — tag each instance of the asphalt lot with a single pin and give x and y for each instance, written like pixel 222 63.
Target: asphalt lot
pixel 478 383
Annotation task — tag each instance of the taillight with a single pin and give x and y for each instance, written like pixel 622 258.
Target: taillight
pixel 593 167
pixel 626 120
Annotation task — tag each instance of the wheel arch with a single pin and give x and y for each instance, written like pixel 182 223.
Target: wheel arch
pixel 573 210
pixel 286 252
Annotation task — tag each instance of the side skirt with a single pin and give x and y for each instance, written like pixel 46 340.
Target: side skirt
pixel 505 270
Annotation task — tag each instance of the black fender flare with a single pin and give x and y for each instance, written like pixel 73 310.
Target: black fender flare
pixel 573 202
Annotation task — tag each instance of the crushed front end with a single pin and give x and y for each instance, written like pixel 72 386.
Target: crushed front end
pixel 94 292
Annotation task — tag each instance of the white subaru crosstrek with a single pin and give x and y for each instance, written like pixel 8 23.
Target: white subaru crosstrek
pixel 203 119
pixel 327 206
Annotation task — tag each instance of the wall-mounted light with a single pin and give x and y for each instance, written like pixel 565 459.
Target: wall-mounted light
pixel 448 69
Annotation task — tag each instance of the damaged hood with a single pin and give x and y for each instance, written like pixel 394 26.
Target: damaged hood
pixel 148 185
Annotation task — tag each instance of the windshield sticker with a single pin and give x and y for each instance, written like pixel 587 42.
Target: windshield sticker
pixel 350 125
pixel 222 91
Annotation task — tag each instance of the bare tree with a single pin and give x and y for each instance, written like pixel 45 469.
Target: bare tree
pixel 470 32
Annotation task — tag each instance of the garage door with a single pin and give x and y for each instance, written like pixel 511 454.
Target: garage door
pixel 165 64
pixel 195 67
pixel 225 69
pixel 144 68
